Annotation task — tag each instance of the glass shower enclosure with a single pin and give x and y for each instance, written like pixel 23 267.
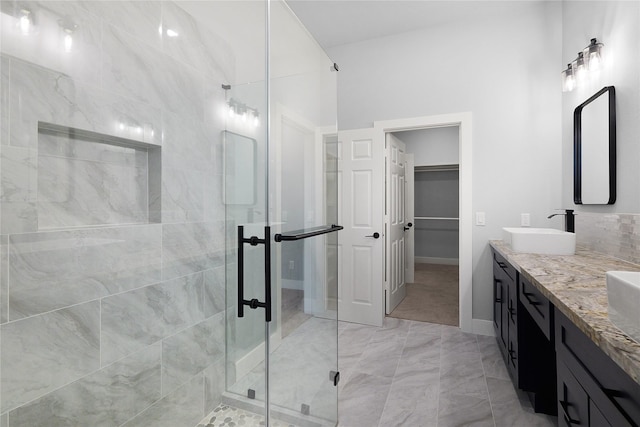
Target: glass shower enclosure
pixel 168 215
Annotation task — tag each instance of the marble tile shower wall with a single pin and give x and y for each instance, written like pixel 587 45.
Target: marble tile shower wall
pixel 111 313
pixel 617 235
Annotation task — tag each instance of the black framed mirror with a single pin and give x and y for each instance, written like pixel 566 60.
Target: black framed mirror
pixel 594 149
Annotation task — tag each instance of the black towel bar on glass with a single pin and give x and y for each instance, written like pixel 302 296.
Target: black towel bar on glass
pixel 307 232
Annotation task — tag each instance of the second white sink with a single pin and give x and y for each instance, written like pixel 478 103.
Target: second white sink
pixel 548 241
pixel 623 291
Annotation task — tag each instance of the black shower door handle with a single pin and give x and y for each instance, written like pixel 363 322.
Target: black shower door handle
pixel 255 303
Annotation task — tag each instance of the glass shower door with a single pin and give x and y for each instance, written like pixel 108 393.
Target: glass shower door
pixel 280 195
pixel 245 157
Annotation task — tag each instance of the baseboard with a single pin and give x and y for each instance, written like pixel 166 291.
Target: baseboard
pixel 250 360
pixel 483 327
pixel 435 260
pixel 293 284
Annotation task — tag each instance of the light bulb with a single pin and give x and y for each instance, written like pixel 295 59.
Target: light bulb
pixel 256 120
pixel 232 111
pixel 172 33
pixel 568 79
pixel 595 61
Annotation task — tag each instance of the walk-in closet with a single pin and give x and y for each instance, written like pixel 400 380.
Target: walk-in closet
pixel 433 296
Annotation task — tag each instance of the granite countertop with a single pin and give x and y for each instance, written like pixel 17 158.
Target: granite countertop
pixel 576 285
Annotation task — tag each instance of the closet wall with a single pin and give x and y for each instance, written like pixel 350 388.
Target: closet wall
pixel 436 193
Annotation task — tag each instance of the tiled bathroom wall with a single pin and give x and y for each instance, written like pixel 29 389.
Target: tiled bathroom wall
pixel 112 224
pixel 617 235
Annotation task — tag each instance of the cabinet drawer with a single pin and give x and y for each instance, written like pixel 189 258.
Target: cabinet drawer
pixel 501 262
pixel 538 306
pixel 615 394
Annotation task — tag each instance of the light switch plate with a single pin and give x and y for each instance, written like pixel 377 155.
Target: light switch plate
pixel 480 218
pixel 525 220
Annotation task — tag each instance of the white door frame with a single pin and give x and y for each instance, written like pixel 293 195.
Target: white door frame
pixel 463 121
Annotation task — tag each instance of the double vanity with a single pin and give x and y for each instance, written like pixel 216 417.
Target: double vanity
pixel 553 327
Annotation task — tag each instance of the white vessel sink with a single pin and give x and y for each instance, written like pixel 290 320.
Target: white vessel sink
pixel 623 290
pixel 548 241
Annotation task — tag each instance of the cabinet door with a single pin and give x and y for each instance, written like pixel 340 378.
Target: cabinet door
pixel 511 313
pixel 573 402
pixel 596 418
pixel 499 295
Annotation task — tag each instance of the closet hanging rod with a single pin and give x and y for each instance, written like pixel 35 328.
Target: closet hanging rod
pixel 436 217
pixel 437 168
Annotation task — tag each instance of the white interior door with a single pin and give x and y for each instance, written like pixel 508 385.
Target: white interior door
pixel 409 235
pixel 395 289
pixel 361 243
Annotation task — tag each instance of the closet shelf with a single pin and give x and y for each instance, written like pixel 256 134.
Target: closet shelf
pixel 436 217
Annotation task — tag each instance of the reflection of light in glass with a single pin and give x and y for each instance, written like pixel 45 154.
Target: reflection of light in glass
pixel 256 120
pixel 25 21
pixel 232 111
pixel 169 32
pixel 68 27
pixel 68 43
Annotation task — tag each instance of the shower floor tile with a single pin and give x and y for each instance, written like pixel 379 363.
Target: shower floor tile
pixel 228 416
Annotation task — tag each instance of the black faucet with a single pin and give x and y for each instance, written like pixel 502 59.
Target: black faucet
pixel 569 220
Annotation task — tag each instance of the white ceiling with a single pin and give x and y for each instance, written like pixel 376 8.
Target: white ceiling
pixel 337 22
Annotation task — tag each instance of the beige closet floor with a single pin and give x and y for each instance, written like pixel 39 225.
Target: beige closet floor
pixel 433 297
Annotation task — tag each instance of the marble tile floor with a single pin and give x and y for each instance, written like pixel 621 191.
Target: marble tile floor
pixel 416 374
pixel 408 374
pixel 299 370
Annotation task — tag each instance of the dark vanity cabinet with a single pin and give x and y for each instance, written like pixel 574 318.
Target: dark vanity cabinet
pixel 537 350
pixel 562 370
pixel 505 317
pixel 524 341
pixel 592 389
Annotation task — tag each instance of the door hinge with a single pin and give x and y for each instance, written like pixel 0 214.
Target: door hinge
pixel 334 376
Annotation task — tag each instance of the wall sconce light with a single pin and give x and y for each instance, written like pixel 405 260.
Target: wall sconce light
pixel 68 27
pixel 593 54
pixel 589 61
pixel 568 79
pixel 25 21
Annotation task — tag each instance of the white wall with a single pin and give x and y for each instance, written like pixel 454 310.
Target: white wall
pixel 504 71
pixel 617 25
pixel 435 146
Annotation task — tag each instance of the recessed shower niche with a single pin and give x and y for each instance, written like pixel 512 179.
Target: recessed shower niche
pixel 87 178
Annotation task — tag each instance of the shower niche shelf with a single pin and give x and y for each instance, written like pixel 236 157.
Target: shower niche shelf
pixel 87 178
